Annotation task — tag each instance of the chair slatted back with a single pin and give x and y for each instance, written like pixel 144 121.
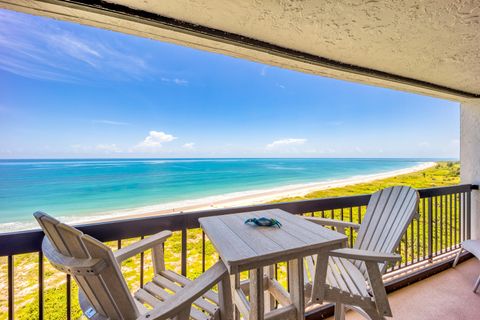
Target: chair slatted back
pixel 107 292
pixel 389 212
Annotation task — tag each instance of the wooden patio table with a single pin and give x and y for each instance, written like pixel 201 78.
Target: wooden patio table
pixel 243 247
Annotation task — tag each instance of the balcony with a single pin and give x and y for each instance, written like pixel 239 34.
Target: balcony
pixel 428 247
pixel 388 44
pixel 436 298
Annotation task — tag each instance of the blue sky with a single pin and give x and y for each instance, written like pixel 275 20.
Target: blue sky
pixel 71 91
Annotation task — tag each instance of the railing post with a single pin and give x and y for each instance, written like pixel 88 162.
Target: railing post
pixel 142 259
pixel 203 251
pixel 430 229
pixel 40 285
pixel 10 288
pixel 184 252
pixel 469 214
pixel 69 297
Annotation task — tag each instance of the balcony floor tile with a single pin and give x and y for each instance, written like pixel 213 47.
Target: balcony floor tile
pixel 447 295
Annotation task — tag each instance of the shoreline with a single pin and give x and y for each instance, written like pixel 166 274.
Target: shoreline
pixel 254 197
pixel 229 200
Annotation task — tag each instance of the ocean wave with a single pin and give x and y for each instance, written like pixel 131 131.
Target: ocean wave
pixel 210 201
pixel 106 162
pixel 275 167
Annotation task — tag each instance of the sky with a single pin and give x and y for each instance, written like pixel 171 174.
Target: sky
pixel 72 91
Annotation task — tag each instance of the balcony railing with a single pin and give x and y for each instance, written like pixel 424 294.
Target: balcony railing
pixel 443 222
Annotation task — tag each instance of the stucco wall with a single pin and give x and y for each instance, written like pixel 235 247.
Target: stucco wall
pixel 470 155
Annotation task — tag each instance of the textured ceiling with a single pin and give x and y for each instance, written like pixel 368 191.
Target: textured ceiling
pixel 436 41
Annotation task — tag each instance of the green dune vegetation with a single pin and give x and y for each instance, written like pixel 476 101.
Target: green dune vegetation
pixel 26 265
pixel 442 174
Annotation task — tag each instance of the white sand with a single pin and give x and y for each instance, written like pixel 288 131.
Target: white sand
pixel 237 199
pixel 253 197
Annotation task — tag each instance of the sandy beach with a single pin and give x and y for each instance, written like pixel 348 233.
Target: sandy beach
pixel 252 197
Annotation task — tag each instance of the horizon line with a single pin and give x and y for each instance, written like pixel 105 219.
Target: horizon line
pixel 177 158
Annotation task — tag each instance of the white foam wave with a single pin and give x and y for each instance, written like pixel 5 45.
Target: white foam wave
pixel 188 205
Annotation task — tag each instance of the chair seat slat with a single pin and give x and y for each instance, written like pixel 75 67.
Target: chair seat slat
pixel 210 295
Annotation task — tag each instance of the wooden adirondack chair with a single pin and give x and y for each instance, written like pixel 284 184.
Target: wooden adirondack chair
pixel 104 293
pixel 352 277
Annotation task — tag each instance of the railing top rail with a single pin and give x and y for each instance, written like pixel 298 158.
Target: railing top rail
pixel 30 240
pixel 438 191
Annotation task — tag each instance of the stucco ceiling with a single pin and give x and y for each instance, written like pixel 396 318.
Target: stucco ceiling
pixel 427 46
pixel 436 41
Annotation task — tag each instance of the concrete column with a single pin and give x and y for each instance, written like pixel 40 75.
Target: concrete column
pixel 470 155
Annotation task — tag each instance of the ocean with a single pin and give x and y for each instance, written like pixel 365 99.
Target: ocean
pixel 79 190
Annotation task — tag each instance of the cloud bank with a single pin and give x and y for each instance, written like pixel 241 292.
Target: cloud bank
pixel 155 139
pixel 285 142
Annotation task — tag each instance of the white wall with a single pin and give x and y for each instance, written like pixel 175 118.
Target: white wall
pixel 470 155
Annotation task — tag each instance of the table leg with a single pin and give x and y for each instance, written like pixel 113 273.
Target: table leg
pixel 256 294
pixel 235 283
pixel 225 297
pixel 295 280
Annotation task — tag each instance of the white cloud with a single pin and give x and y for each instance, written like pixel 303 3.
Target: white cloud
pixel 423 144
pixel 189 145
pixel 108 148
pixel 78 148
pixel 36 48
pixel 263 72
pixel 180 81
pixel 103 148
pixel 285 142
pixel 111 122
pixel 177 81
pixel 76 48
pixel 155 140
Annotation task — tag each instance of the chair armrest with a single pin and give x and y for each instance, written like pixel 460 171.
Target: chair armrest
pixel 333 222
pixel 141 246
pixel 365 255
pixel 183 299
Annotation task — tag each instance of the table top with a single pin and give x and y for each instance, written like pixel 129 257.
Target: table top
pixel 243 246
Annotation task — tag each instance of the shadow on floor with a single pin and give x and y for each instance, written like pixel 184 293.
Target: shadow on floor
pixel 447 295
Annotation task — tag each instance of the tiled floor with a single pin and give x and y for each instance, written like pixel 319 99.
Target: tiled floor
pixel 447 295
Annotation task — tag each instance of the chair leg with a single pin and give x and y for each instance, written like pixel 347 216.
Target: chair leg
pixel 339 311
pixel 269 299
pixel 374 315
pixel 183 315
pixel 358 310
pixel 477 284
pixel 457 258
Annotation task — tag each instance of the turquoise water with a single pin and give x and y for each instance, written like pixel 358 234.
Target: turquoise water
pixel 79 188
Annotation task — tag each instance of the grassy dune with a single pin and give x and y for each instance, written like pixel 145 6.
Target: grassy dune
pixel 26 266
pixel 443 174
